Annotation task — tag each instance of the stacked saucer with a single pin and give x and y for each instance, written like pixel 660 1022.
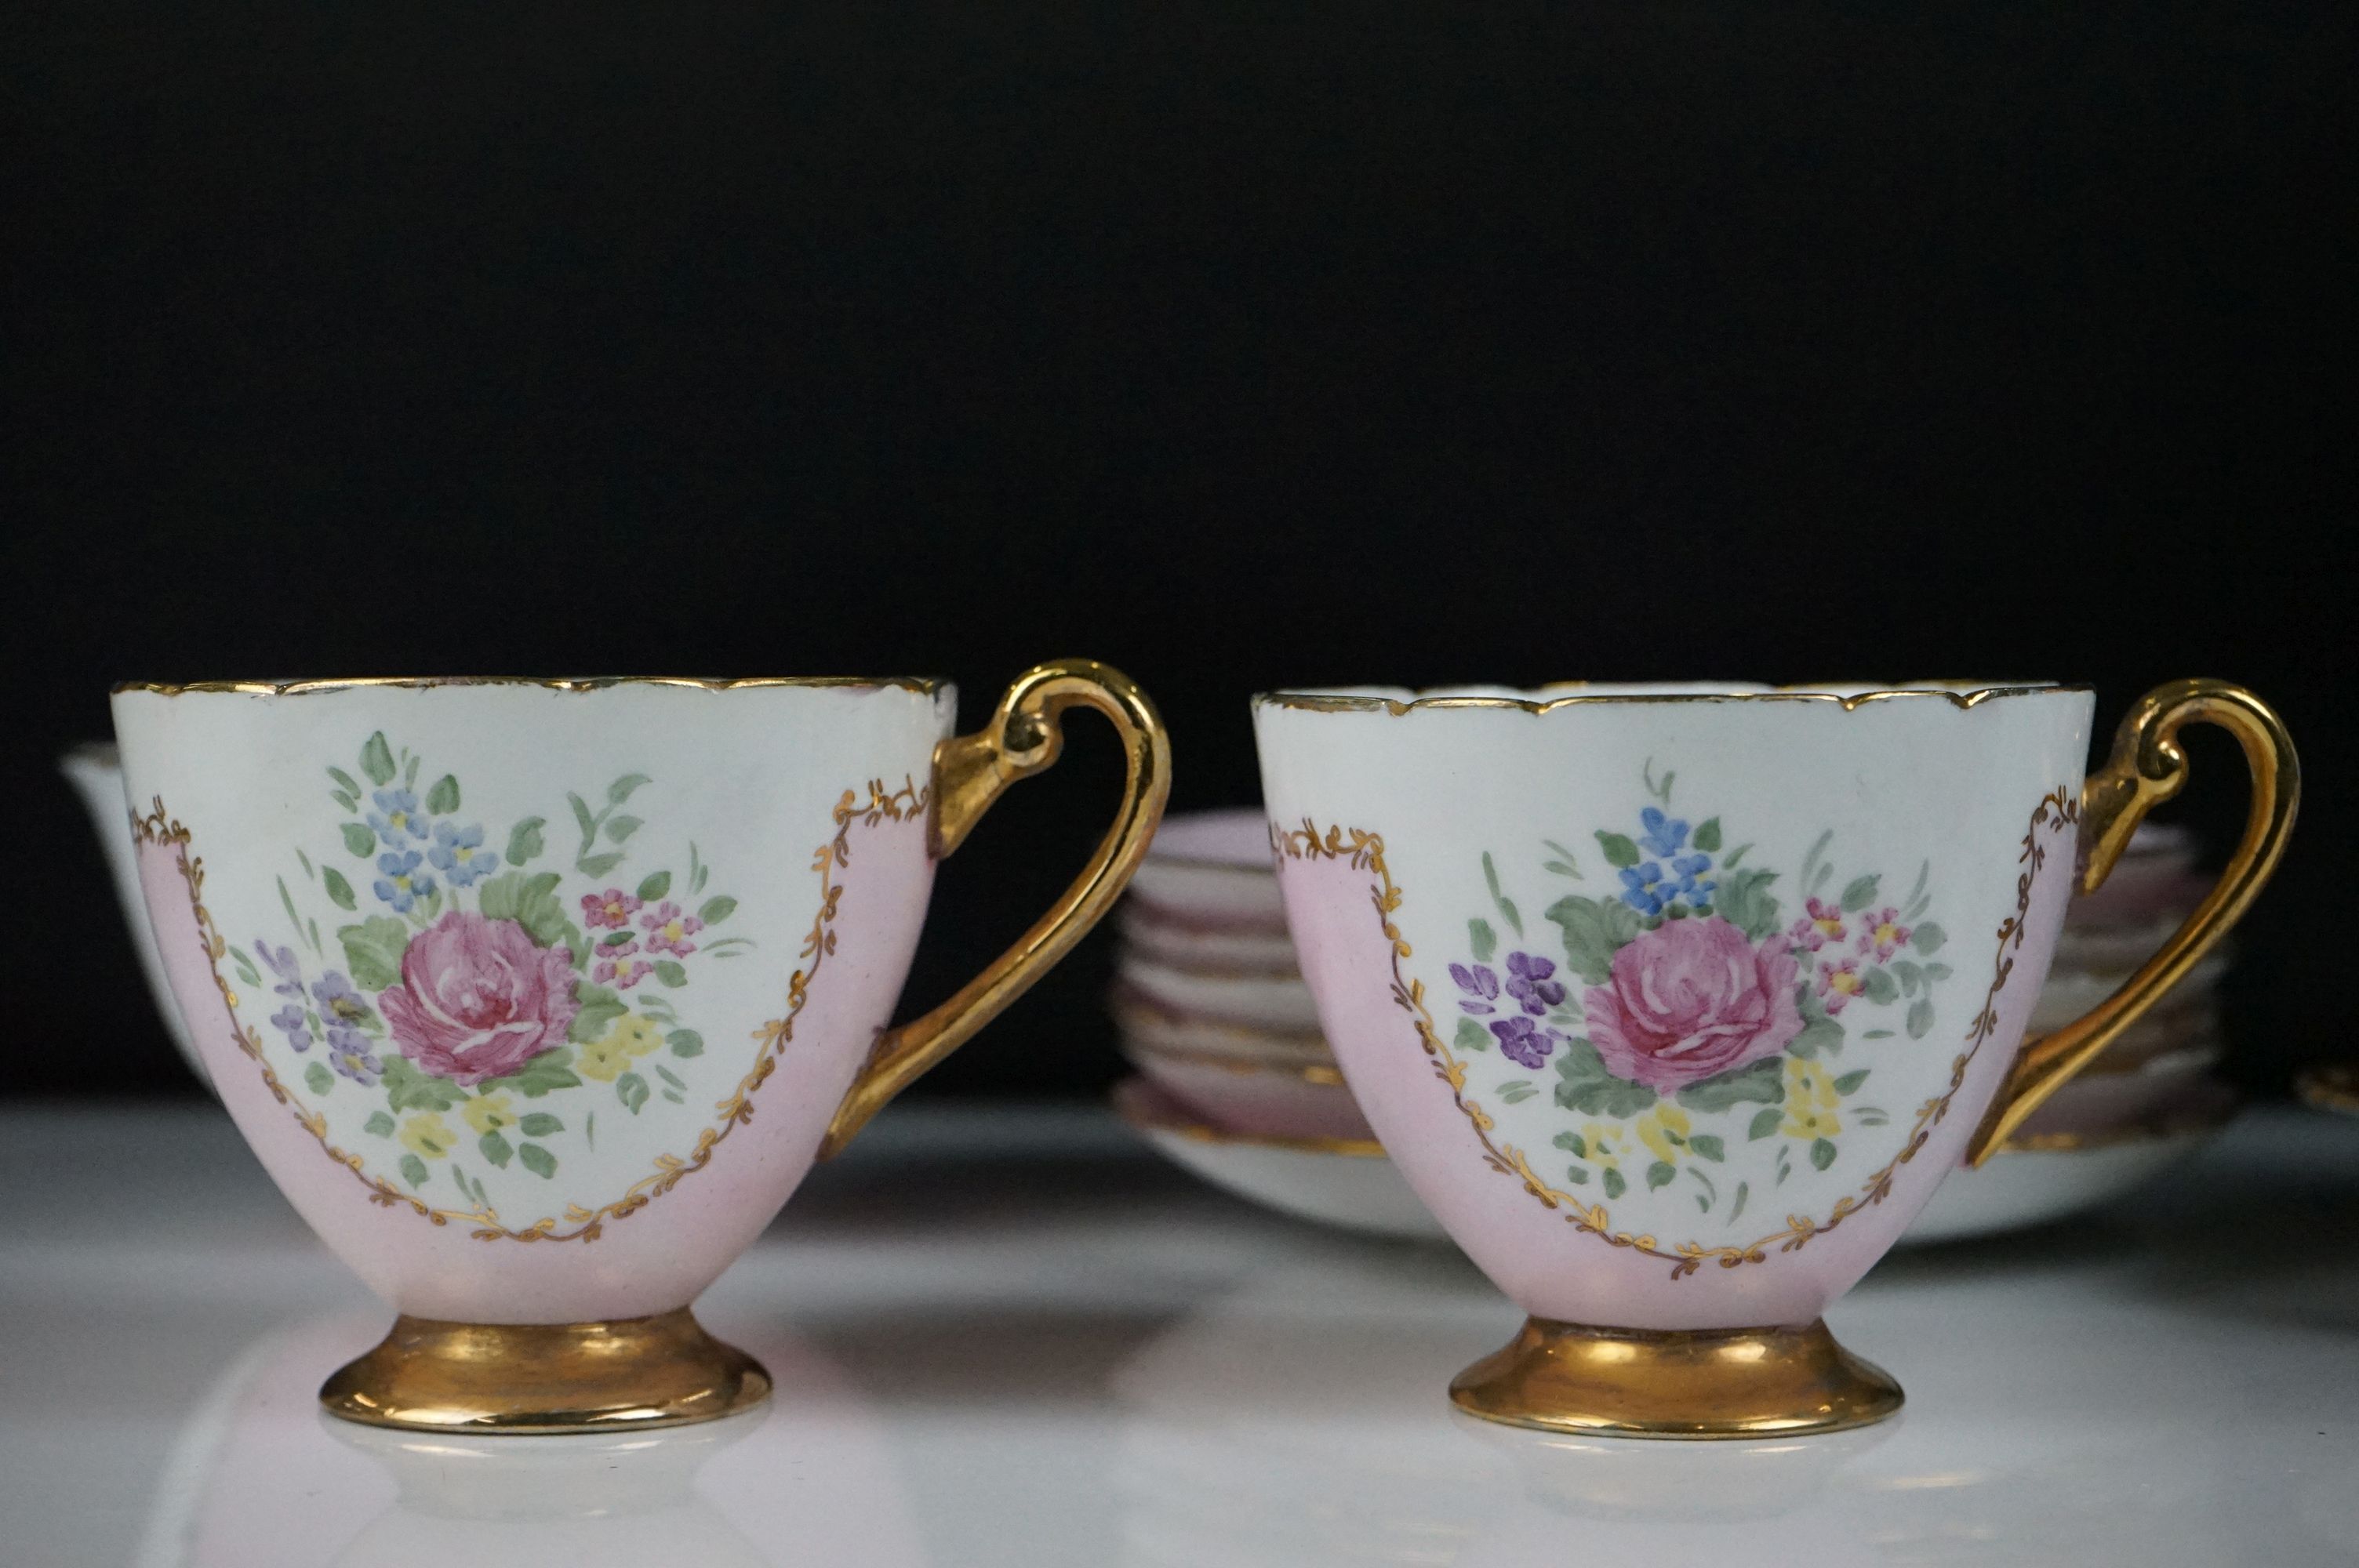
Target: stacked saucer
pixel 1236 1082
pixel 1209 1003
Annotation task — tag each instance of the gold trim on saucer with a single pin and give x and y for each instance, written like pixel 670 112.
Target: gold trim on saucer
pixel 1698 1383
pixel 926 685
pixel 628 1375
pixel 1320 1073
pixel 2156 1130
pixel 1150 1118
pixel 2331 1087
pixel 1962 694
pixel 1138 953
pixel 1126 999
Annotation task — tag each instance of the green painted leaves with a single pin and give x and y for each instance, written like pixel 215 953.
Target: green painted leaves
pixel 600 1007
pixel 1744 903
pixel 551 1069
pixel 685 1043
pixel 1859 893
pixel 1708 1146
pixel 632 1090
pixel 1471 1036
pixel 372 950
pixel 1880 987
pixel 1928 938
pixel 616 829
pixel 359 840
pixel 1589 1088
pixel 1820 1032
pixel 716 909
pixel 1822 1153
pixel 669 972
pixel 378 1125
pixel 318 1079
pixel 530 900
pixel 413 1170
pixel 1761 1083
pixel 496 1148
pixel 538 1160
pixel 525 840
pixel 1499 900
pixel 1619 850
pixel 538 1124
pixel 376 759
pixel 654 886
pixel 1707 837
pixel 407 1088
pixel 339 890
pixel 1480 940
pixel 1594 929
pixel 444 796
pixel 1764 1122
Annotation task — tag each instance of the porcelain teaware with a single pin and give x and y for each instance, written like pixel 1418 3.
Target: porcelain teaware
pixel 536 998
pixel 1674 1003
pixel 97 774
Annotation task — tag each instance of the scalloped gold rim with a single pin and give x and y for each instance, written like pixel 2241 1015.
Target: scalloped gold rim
pixel 1959 694
pixel 926 685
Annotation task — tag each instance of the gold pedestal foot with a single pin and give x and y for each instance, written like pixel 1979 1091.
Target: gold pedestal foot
pixel 640 1372
pixel 1628 1382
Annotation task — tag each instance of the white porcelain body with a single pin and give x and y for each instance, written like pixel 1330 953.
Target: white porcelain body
pixel 97 773
pixel 644 1082
pixel 1583 1189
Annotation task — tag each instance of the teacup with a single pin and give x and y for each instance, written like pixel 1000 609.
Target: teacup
pixel 1674 1003
pixel 538 998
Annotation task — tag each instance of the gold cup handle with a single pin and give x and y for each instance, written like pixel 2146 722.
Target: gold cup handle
pixel 1024 737
pixel 2147 769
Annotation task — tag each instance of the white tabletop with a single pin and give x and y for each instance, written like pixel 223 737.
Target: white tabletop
pixel 1016 1337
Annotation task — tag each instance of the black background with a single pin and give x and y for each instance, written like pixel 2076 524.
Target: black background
pixel 1234 345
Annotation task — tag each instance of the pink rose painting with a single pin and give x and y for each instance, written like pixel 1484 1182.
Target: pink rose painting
pixel 478 999
pixel 1690 1000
